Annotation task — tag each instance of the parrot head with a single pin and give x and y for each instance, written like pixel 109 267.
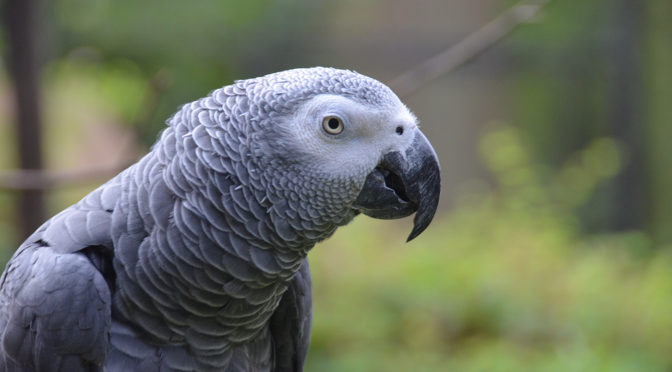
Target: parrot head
pixel 351 144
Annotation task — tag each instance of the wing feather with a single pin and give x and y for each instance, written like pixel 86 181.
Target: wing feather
pixel 55 298
pixel 55 319
pixel 291 323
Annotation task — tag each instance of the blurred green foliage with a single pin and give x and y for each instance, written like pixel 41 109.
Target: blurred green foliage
pixel 506 282
pixel 601 68
pixel 196 46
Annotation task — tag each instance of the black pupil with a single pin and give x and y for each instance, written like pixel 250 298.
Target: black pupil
pixel 333 124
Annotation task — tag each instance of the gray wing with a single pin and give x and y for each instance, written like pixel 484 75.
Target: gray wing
pixel 291 323
pixel 55 292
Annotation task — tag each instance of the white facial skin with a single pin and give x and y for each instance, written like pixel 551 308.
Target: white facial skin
pixel 360 138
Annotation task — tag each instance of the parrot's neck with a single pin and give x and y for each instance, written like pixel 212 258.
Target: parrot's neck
pixel 203 254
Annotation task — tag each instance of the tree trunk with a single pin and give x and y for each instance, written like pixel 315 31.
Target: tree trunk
pixel 20 21
pixel 659 116
pixel 625 115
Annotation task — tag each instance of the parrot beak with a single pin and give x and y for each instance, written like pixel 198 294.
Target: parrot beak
pixel 402 184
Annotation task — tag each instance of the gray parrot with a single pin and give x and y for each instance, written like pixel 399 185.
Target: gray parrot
pixel 194 258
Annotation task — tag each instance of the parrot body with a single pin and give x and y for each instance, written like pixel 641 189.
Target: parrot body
pixel 194 258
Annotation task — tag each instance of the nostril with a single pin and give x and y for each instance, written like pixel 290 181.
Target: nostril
pixel 400 130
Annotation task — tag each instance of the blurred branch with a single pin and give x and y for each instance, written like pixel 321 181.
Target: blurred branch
pixel 48 179
pixel 467 49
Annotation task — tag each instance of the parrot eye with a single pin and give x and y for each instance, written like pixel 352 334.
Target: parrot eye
pixel 332 125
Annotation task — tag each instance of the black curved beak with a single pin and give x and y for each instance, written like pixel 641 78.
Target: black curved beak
pixel 403 184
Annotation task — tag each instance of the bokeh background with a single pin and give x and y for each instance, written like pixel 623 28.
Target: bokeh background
pixel 552 247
